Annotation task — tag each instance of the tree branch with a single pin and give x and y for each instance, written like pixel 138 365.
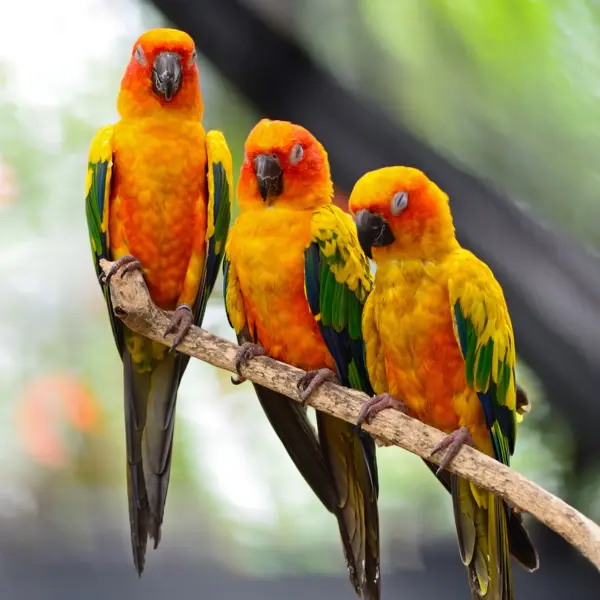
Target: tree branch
pixel 133 305
pixel 551 284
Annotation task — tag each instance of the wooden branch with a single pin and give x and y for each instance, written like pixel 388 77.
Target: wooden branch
pixel 133 305
pixel 551 283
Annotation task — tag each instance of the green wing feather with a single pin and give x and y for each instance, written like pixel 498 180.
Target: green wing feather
pixel 97 204
pixel 220 186
pixel 337 281
pixel 485 337
pixel 486 341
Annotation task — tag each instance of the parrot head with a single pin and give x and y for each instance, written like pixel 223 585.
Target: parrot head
pixel 284 166
pixel 401 213
pixel 161 75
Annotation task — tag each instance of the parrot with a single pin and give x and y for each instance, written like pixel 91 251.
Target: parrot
pixel 157 200
pixel 295 283
pixel 439 347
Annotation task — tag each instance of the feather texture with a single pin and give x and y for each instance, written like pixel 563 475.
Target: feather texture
pixel 438 337
pixel 334 257
pixel 300 295
pixel 151 376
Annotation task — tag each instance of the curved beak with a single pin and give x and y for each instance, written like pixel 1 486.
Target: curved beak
pixel 269 175
pixel 373 230
pixel 166 75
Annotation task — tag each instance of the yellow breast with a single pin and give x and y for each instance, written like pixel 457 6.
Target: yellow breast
pixel 423 364
pixel 159 198
pixel 267 247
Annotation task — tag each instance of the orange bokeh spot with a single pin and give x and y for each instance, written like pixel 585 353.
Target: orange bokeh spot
pixel 45 406
pixel 9 190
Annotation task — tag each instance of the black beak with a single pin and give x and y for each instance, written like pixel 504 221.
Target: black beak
pixel 373 230
pixel 166 75
pixel 269 176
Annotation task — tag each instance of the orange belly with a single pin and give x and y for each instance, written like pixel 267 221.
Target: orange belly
pixel 429 377
pixel 158 203
pixel 267 247
pixel 423 364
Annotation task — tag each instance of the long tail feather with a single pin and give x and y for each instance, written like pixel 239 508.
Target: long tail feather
pixel 482 528
pixel 150 397
pixel 351 461
pixel 158 439
pixel 520 544
pixel 291 424
pixel 137 387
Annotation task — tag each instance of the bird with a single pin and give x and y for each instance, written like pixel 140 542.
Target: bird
pixel 295 283
pixel 440 348
pixel 157 200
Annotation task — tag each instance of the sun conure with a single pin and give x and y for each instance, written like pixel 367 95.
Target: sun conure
pixel 157 199
pixel 295 284
pixel 440 347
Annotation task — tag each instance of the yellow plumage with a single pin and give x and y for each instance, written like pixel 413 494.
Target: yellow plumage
pixel 439 339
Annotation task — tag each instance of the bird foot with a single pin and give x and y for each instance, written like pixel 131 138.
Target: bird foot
pixel 246 352
pixel 453 442
pixel 181 322
pixel 376 404
pixel 523 405
pixel 128 262
pixel 313 380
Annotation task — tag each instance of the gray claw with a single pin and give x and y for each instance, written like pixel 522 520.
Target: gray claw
pixel 181 321
pixel 246 352
pixel 313 380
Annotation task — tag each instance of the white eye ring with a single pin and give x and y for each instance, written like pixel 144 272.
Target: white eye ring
pixel 297 154
pixel 193 57
pixel 399 203
pixel 140 56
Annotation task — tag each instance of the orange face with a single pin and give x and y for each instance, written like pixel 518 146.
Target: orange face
pixel 161 74
pixel 284 165
pixel 400 208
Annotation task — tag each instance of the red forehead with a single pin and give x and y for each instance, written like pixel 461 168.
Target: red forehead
pixel 374 190
pixel 165 40
pixel 273 136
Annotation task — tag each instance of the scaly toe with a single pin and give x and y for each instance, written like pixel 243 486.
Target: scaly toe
pixel 313 380
pixel 375 405
pixel 124 261
pixel 247 351
pixel 134 265
pixel 181 322
pixel 453 442
pixel 368 410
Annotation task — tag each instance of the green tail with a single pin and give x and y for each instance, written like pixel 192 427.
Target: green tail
pixel 521 546
pixel 342 473
pixel 150 398
pixel 483 540
pixel 350 458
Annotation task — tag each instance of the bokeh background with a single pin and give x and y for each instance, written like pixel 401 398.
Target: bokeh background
pixel 497 101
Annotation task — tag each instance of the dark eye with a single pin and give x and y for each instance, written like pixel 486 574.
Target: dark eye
pixel 140 56
pixel 399 203
pixel 297 154
pixel 193 57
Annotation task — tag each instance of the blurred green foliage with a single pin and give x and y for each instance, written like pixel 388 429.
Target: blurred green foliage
pixel 510 89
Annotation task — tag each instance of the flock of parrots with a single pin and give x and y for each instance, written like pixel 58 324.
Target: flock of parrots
pixel 429 334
